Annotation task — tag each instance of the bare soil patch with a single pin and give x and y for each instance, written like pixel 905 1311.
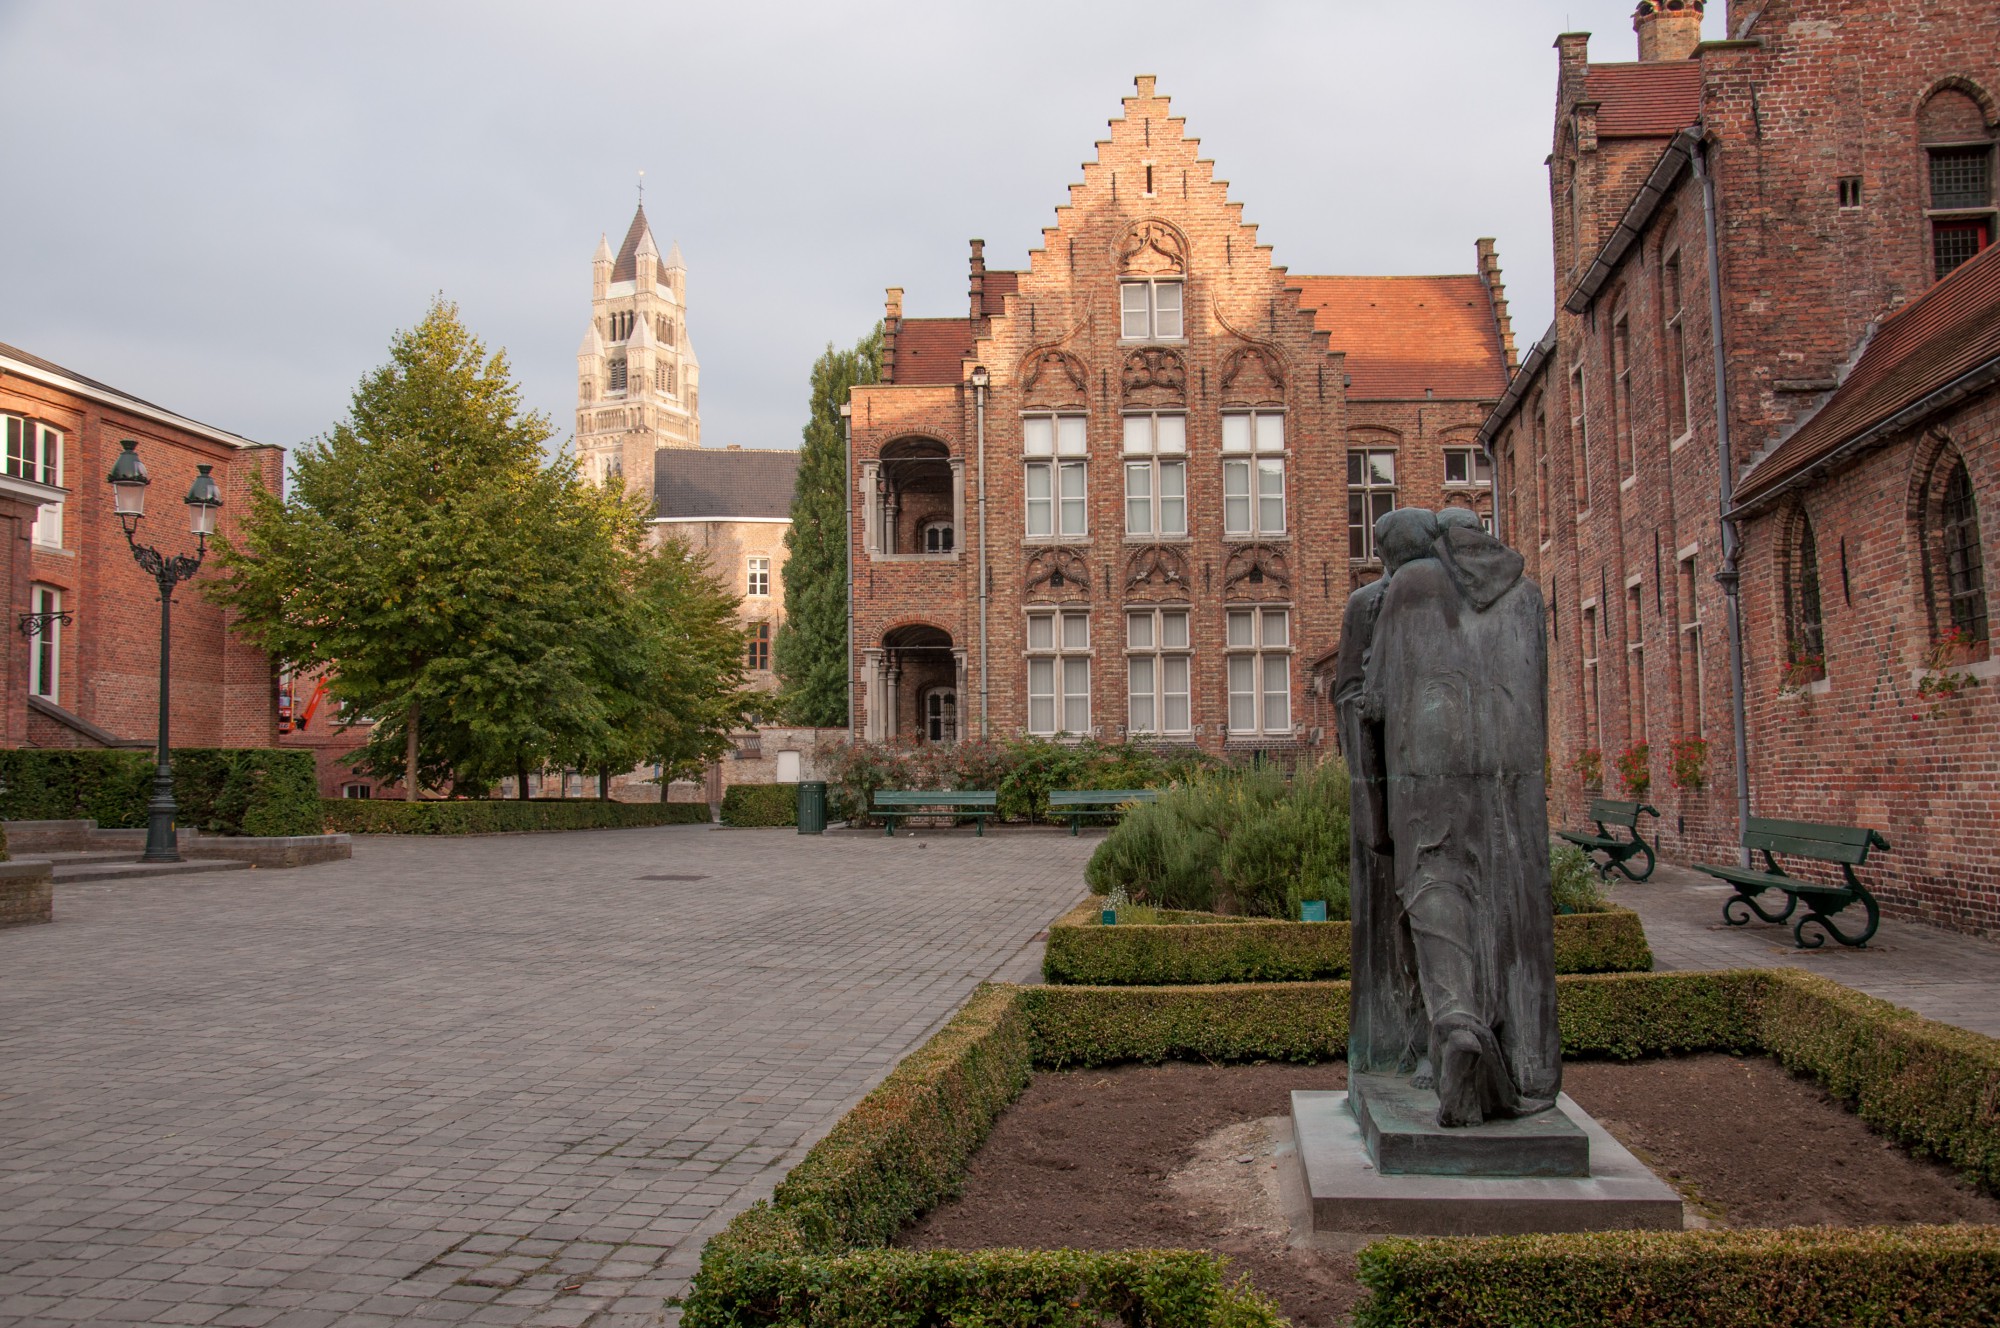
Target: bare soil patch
pixel 1152 1156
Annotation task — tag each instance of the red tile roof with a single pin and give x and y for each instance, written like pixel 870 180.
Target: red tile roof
pixel 999 285
pixel 1405 334
pixel 1949 331
pixel 932 350
pixel 1649 100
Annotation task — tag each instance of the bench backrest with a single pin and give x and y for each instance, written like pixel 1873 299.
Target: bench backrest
pixel 1096 797
pixel 935 798
pixel 1811 839
pixel 1606 811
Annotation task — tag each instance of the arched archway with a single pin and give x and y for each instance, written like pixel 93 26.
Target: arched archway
pixel 917 498
pixel 916 677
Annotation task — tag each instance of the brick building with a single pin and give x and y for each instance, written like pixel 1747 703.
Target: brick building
pixel 1764 413
pixel 1166 452
pixel 80 667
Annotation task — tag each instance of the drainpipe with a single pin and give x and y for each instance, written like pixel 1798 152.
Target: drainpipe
pixel 1493 469
pixel 980 378
pixel 847 483
pixel 1730 576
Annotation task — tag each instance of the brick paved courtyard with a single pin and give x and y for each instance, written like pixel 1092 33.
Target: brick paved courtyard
pixel 501 1080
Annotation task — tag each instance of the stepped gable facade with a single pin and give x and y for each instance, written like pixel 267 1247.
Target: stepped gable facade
pixel 1159 454
pixel 1809 204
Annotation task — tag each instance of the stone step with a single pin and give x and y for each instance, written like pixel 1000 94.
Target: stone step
pixel 127 868
pixel 73 856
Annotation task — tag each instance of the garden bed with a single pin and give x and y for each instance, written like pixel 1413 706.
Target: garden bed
pixel 1137 1157
pixel 1186 947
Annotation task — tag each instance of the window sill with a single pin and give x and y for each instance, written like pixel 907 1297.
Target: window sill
pixel 1046 542
pixel 1157 539
pixel 1466 486
pixel 1629 483
pixel 1256 536
pixel 1681 441
pixel 1153 341
pixel 1583 516
pixel 909 558
pixel 53 548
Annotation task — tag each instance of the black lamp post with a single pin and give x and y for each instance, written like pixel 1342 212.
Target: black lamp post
pixel 128 496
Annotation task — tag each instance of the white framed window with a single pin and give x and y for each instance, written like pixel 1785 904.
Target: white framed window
pixel 1157 670
pixel 1054 435
pixel 1058 672
pixel 1468 466
pixel 1260 670
pixel 1150 310
pixel 356 791
pixel 939 537
pixel 1055 489
pixel 45 646
pixel 758 577
pixel 1156 474
pixel 35 452
pixel 1371 495
pixel 1579 428
pixel 1253 472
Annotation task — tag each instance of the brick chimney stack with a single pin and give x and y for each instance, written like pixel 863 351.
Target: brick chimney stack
pixel 892 319
pixel 1668 29
pixel 978 289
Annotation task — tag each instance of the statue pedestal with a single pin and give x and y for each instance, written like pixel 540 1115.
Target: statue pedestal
pixel 1399 1125
pixel 1349 1193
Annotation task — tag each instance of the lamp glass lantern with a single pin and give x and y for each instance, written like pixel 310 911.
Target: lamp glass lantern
pixel 128 483
pixel 203 500
pixel 980 378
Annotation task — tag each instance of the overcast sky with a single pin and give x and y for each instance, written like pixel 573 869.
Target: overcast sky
pixel 228 209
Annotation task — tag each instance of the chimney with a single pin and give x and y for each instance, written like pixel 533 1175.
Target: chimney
pixel 892 319
pixel 978 288
pixel 1496 291
pixel 1572 62
pixel 1668 29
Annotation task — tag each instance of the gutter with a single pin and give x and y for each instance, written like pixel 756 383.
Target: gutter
pixel 1517 387
pixel 1974 380
pixel 130 405
pixel 1685 147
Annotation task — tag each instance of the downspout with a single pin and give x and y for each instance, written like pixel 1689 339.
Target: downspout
pixel 979 416
pixel 1730 576
pixel 1493 469
pixel 847 483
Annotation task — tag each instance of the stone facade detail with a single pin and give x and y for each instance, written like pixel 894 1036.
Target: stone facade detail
pixel 638 381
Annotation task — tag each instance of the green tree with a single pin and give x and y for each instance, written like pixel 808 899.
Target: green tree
pixel 811 652
pixel 461 589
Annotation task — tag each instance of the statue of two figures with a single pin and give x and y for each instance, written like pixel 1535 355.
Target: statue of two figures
pixel 1441 690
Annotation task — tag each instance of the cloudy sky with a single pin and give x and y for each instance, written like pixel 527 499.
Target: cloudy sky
pixel 229 208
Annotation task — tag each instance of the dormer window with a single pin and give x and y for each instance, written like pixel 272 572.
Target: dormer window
pixel 1150 310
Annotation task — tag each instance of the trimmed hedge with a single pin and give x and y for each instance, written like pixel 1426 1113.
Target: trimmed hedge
pixel 760 804
pixel 218 790
pixel 1212 948
pixel 1804 1277
pixel 812 1255
pixel 476 816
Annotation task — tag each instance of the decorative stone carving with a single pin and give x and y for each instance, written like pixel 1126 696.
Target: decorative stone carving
pixel 1151 249
pixel 1058 573
pixel 1253 376
pixel 1252 571
pixel 1054 375
pixel 1154 375
pixel 1157 572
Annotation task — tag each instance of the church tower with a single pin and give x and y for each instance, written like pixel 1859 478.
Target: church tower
pixel 637 380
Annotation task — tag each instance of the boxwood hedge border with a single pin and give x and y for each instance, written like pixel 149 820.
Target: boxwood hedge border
pixel 816 1254
pixel 1083 951
pixel 496 816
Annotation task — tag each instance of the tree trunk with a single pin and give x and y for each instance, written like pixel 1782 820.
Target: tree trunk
pixel 521 780
pixel 410 756
pixel 603 784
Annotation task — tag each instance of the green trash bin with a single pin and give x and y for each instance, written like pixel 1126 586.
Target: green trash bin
pixel 812 807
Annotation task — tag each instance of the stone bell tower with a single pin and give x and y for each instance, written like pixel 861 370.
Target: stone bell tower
pixel 638 384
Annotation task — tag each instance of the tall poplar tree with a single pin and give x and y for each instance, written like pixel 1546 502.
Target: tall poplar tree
pixel 812 640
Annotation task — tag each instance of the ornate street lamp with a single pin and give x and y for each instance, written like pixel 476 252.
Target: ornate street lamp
pixel 128 499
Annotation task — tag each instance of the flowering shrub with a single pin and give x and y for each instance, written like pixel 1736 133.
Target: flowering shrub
pixel 1690 763
pixel 1943 679
pixel 1589 767
pixel 1635 770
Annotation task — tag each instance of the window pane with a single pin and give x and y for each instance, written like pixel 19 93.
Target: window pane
pixel 1276 621
pixel 1360 539
pixel 1354 469
pixel 1277 693
pixel 1167 303
pixel 1455 463
pixel 1070 439
pixel 1138 498
pixel 1076 695
pixel 1242 627
pixel 1173 497
pixel 1132 296
pixel 1236 433
pixel 1236 497
pixel 1041 631
pixel 1141 715
pixel 1242 693
pixel 1172 432
pixel 1038 435
pixel 1270 433
pixel 1041 696
pixel 1176 698
pixel 1482 468
pixel 1382 468
pixel 1380 505
pixel 1072 499
pixel 1271 496
pixel 1076 631
pixel 1138 433
pixel 1139 631
pixel 1072 480
pixel 1041 677
pixel 1040 516
pixel 1174 630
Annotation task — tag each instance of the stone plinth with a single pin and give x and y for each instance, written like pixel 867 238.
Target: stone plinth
pixel 1350 1194
pixel 26 893
pixel 1399 1125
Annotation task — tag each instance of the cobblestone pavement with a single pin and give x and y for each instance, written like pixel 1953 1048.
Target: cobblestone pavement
pixel 1940 974
pixel 506 1080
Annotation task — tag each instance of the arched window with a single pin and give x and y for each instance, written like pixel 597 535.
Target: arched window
pixel 939 537
pixel 1958 168
pixel 1961 572
pixel 941 715
pixel 1805 632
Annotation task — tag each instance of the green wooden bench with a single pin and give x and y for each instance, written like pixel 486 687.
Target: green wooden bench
pixel 892 803
pixel 1847 845
pixel 1617 852
pixel 1079 803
